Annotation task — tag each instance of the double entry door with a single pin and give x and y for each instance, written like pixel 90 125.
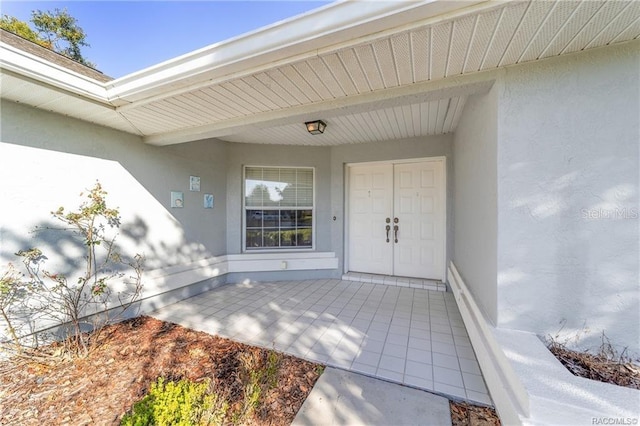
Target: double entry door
pixel 396 218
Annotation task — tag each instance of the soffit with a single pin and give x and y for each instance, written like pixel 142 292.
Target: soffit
pixel 23 90
pixel 503 35
pixel 405 76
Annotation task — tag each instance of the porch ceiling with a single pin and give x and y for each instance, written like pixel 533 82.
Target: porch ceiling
pixel 408 76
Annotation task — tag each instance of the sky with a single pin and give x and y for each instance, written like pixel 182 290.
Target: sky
pixel 128 36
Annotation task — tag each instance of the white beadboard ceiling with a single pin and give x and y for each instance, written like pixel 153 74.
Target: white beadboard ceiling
pixel 411 80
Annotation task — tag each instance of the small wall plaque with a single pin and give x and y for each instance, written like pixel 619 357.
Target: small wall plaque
pixel 194 183
pixel 177 199
pixel 208 201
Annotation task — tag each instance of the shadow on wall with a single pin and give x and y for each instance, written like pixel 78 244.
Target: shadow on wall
pixel 149 224
pixel 51 158
pixel 568 264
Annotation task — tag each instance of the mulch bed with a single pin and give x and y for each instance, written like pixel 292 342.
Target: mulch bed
pixel 604 367
pixel 463 414
pixel 100 388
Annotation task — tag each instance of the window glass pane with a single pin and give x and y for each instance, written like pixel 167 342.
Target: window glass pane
pixel 254 218
pixel 304 197
pixel 288 218
pixel 288 238
pixel 254 238
pixel 256 193
pixel 304 237
pixel 304 188
pixel 252 191
pixel 271 218
pixel 271 182
pixel 288 179
pixel 271 238
pixel 304 218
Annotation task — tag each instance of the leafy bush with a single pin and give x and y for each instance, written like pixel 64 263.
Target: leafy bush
pixel 188 403
pixel 182 403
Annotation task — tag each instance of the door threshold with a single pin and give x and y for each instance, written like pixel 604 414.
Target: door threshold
pixel 395 281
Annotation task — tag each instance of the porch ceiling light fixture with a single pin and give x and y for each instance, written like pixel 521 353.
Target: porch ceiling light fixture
pixel 316 127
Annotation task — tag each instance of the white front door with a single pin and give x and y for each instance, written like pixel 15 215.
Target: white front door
pixel 396 219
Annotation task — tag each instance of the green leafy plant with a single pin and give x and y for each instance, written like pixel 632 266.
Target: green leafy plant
pixel 260 375
pixel 181 403
pixel 187 403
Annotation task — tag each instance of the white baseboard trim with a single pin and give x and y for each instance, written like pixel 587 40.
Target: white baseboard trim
pixel 267 262
pixel 507 391
pixel 172 277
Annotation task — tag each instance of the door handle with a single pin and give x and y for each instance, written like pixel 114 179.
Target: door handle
pixel 388 228
pixel 395 232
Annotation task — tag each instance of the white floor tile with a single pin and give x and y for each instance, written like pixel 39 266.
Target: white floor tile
pixel 419 355
pixel 479 397
pixel 443 348
pixel 418 382
pixel 449 390
pixel 419 369
pixel 447 376
pixel 392 363
pixel 363 368
pixel 394 350
pixel 389 375
pixel 469 366
pixel 474 382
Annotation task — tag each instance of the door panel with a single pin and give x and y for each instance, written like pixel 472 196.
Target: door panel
pixel 370 203
pixel 410 192
pixel 419 250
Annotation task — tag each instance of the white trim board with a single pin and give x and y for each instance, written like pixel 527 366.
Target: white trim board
pixel 528 384
pixel 508 394
pixel 172 277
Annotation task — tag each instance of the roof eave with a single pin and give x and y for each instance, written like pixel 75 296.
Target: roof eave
pixel 295 38
pixel 33 67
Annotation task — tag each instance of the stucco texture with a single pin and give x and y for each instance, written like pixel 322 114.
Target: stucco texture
pixel 568 198
pixel 475 200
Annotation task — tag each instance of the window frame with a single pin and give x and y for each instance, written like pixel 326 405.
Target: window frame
pixel 285 249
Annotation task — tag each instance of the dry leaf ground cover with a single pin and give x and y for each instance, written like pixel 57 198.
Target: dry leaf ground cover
pixel 605 366
pixel 101 388
pixel 463 414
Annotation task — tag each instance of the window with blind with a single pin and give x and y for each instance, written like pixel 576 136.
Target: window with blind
pixel 278 205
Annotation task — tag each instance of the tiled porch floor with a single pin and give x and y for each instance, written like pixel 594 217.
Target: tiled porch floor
pixel 401 334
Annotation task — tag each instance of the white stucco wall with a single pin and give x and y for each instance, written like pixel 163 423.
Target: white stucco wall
pixel 568 197
pixel 48 159
pixel 433 146
pixel 475 200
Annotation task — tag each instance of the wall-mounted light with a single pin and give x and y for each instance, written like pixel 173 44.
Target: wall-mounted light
pixel 316 127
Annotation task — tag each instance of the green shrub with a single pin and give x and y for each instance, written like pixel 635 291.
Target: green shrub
pixel 188 403
pixel 182 403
